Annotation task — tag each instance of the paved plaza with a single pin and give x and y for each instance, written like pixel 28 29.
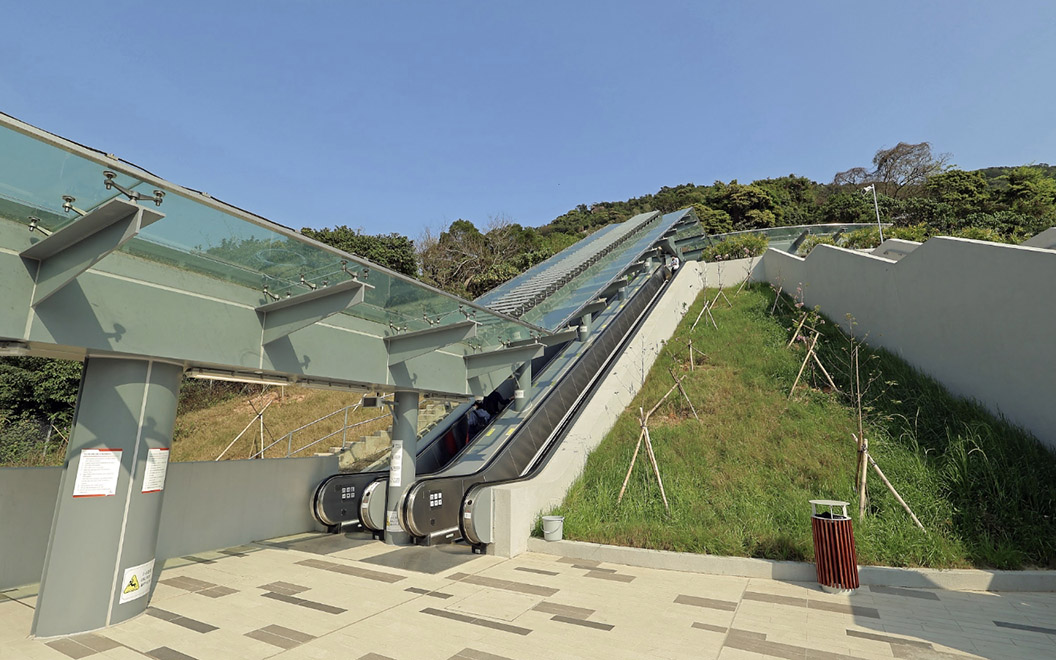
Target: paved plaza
pixel 345 596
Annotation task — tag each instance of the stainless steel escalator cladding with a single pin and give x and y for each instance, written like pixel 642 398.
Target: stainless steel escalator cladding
pixel 367 513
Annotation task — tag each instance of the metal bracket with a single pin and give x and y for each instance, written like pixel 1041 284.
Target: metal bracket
pixel 479 364
pixel 412 344
pixel 78 246
pixel 792 249
pixel 108 176
pixel 286 316
pixel 547 340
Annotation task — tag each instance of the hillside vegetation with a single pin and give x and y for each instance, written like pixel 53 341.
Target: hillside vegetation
pixel 918 191
pixel 739 480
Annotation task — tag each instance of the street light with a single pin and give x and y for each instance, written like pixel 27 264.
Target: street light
pixel 877 207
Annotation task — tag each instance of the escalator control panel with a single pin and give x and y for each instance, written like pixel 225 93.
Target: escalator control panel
pixel 347 492
pixel 436 499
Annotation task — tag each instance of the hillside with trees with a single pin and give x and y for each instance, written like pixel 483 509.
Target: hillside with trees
pixel 918 191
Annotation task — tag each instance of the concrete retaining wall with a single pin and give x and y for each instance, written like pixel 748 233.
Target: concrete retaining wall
pixel 976 316
pixel 208 505
pixel 515 507
pixel 27 504
pixel 219 504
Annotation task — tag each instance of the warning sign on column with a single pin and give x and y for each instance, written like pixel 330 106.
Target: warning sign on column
pixel 137 581
pixel 97 473
pixel 154 473
pixel 396 464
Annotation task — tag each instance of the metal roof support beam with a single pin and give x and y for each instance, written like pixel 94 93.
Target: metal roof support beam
pixel 284 317
pixel 792 249
pixel 78 246
pixel 412 344
pixel 634 269
pixel 594 307
pixel 548 340
pixel 613 289
pixel 479 364
pixel 668 246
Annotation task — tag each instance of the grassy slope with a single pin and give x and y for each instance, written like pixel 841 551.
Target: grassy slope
pixel 202 434
pixel 739 480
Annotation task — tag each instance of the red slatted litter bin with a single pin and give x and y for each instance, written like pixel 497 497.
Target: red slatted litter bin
pixel 834 553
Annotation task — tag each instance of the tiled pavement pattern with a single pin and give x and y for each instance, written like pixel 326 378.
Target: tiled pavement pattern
pixel 281 600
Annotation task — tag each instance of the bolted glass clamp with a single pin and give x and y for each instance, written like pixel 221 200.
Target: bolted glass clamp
pixel 67 205
pixel 132 195
pixel 34 225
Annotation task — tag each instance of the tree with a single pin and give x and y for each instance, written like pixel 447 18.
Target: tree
pixel 39 389
pixel 393 251
pixel 749 207
pixel 1030 192
pixel 714 221
pixel 964 192
pixel 467 262
pixel 898 170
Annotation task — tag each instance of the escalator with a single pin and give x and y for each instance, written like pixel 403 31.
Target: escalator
pixel 584 288
pixel 435 508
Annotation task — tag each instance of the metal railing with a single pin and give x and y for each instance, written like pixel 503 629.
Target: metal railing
pixel 343 430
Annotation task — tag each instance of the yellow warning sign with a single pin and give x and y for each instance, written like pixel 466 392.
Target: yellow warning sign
pixel 136 582
pixel 132 585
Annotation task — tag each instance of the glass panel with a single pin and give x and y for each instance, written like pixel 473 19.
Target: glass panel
pixel 196 236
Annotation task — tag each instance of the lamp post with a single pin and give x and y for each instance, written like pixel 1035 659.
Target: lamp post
pixel 877 207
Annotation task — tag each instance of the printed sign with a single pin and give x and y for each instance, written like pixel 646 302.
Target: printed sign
pixel 157 466
pixel 137 582
pixel 97 473
pixel 396 464
pixel 392 524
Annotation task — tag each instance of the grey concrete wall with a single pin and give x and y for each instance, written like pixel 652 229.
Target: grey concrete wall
pixel 1045 240
pixel 729 274
pixel 219 504
pixel 27 504
pixel 976 316
pixel 515 507
pixel 895 248
pixel 208 505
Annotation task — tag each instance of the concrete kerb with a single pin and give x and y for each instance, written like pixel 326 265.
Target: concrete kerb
pixel 792 571
pixel 515 507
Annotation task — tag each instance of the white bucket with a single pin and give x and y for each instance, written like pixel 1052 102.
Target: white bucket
pixel 553 527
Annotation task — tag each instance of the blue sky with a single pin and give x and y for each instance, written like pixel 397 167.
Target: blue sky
pixel 394 116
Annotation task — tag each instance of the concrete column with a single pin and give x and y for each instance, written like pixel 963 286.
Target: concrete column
pixel 99 569
pixel 401 463
pixel 524 387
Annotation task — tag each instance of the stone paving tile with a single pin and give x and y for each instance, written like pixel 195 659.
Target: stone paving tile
pixel 71 649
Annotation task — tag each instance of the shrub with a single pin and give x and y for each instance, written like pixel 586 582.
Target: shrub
pixel 810 242
pixel 862 239
pixel 980 234
pixel 919 233
pixel 736 247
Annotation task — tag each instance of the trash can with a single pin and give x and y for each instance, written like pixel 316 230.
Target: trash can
pixel 834 553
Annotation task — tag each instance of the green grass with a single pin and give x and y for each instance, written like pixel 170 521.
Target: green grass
pixel 739 480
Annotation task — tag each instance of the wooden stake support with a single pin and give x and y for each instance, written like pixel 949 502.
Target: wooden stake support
pixel 776 298
pixel 890 487
pixel 798 328
pixel 810 351
pixel 678 382
pixel 644 435
pixel 721 294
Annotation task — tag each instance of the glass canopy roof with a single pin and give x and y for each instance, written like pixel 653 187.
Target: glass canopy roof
pixel 206 236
